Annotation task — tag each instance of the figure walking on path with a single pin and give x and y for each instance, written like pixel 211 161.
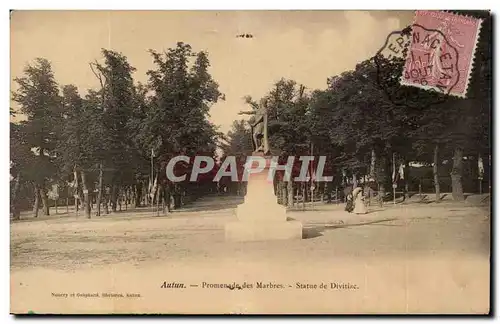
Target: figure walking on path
pixel 349 206
pixel 359 203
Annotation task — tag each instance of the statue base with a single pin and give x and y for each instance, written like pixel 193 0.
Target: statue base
pixel 260 217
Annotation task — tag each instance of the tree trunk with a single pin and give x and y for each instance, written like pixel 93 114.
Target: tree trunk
pixel 147 194
pixel 406 174
pixel 45 201
pixel 177 196
pixel 92 196
pixel 16 213
pixel 114 197
pixel 435 171
pixel 381 193
pixel 76 194
pixel 143 192
pixel 132 196
pixel 99 193
pixel 119 198
pixel 125 197
pixel 276 188
pixel 303 185
pixel 456 175
pixel 86 199
pixel 168 199
pixel 106 201
pixel 158 198
pixel 138 194
pixel 67 201
pixel 381 176
pixel 284 194
pixel 36 205
pixel 41 190
pixel 153 191
pixel 373 162
pixel 163 198
pixel 290 192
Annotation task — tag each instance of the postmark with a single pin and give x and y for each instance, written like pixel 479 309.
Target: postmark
pixel 440 56
pixel 390 62
pixel 396 44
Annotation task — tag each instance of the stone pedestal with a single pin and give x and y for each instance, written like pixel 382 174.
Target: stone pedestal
pixel 260 217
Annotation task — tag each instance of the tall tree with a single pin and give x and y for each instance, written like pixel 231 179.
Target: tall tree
pixel 79 146
pixel 21 162
pixel 176 121
pixel 38 98
pixel 118 98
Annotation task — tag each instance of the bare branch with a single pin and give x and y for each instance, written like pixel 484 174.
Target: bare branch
pixel 99 77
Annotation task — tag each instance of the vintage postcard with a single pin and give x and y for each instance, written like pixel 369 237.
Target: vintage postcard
pixel 250 162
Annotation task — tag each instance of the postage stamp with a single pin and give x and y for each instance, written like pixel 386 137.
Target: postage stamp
pixel 390 62
pixel 441 52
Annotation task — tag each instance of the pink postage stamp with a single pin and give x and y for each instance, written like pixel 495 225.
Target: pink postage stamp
pixel 441 53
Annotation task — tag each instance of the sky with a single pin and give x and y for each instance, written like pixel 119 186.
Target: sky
pixel 307 46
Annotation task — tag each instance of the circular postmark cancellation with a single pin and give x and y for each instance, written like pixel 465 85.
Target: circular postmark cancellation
pixel 431 62
pixel 436 54
pixel 420 57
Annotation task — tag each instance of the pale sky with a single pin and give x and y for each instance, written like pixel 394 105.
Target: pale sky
pixel 307 46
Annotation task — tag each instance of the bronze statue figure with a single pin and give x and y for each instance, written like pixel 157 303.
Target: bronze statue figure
pixel 259 127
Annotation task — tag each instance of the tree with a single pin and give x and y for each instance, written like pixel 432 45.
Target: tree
pixel 38 98
pixel 140 150
pixel 21 160
pixel 239 139
pixel 79 147
pixel 176 119
pixel 238 143
pixel 117 95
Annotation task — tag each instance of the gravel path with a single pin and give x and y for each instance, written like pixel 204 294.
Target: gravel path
pixel 404 258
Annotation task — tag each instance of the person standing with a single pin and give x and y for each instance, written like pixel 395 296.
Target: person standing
pixel 349 206
pixel 359 201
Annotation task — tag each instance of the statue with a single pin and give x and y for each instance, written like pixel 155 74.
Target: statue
pixel 259 127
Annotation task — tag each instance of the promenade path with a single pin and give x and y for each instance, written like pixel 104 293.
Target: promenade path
pixel 419 257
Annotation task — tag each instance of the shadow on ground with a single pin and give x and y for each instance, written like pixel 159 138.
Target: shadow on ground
pixel 208 204
pixel 312 232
